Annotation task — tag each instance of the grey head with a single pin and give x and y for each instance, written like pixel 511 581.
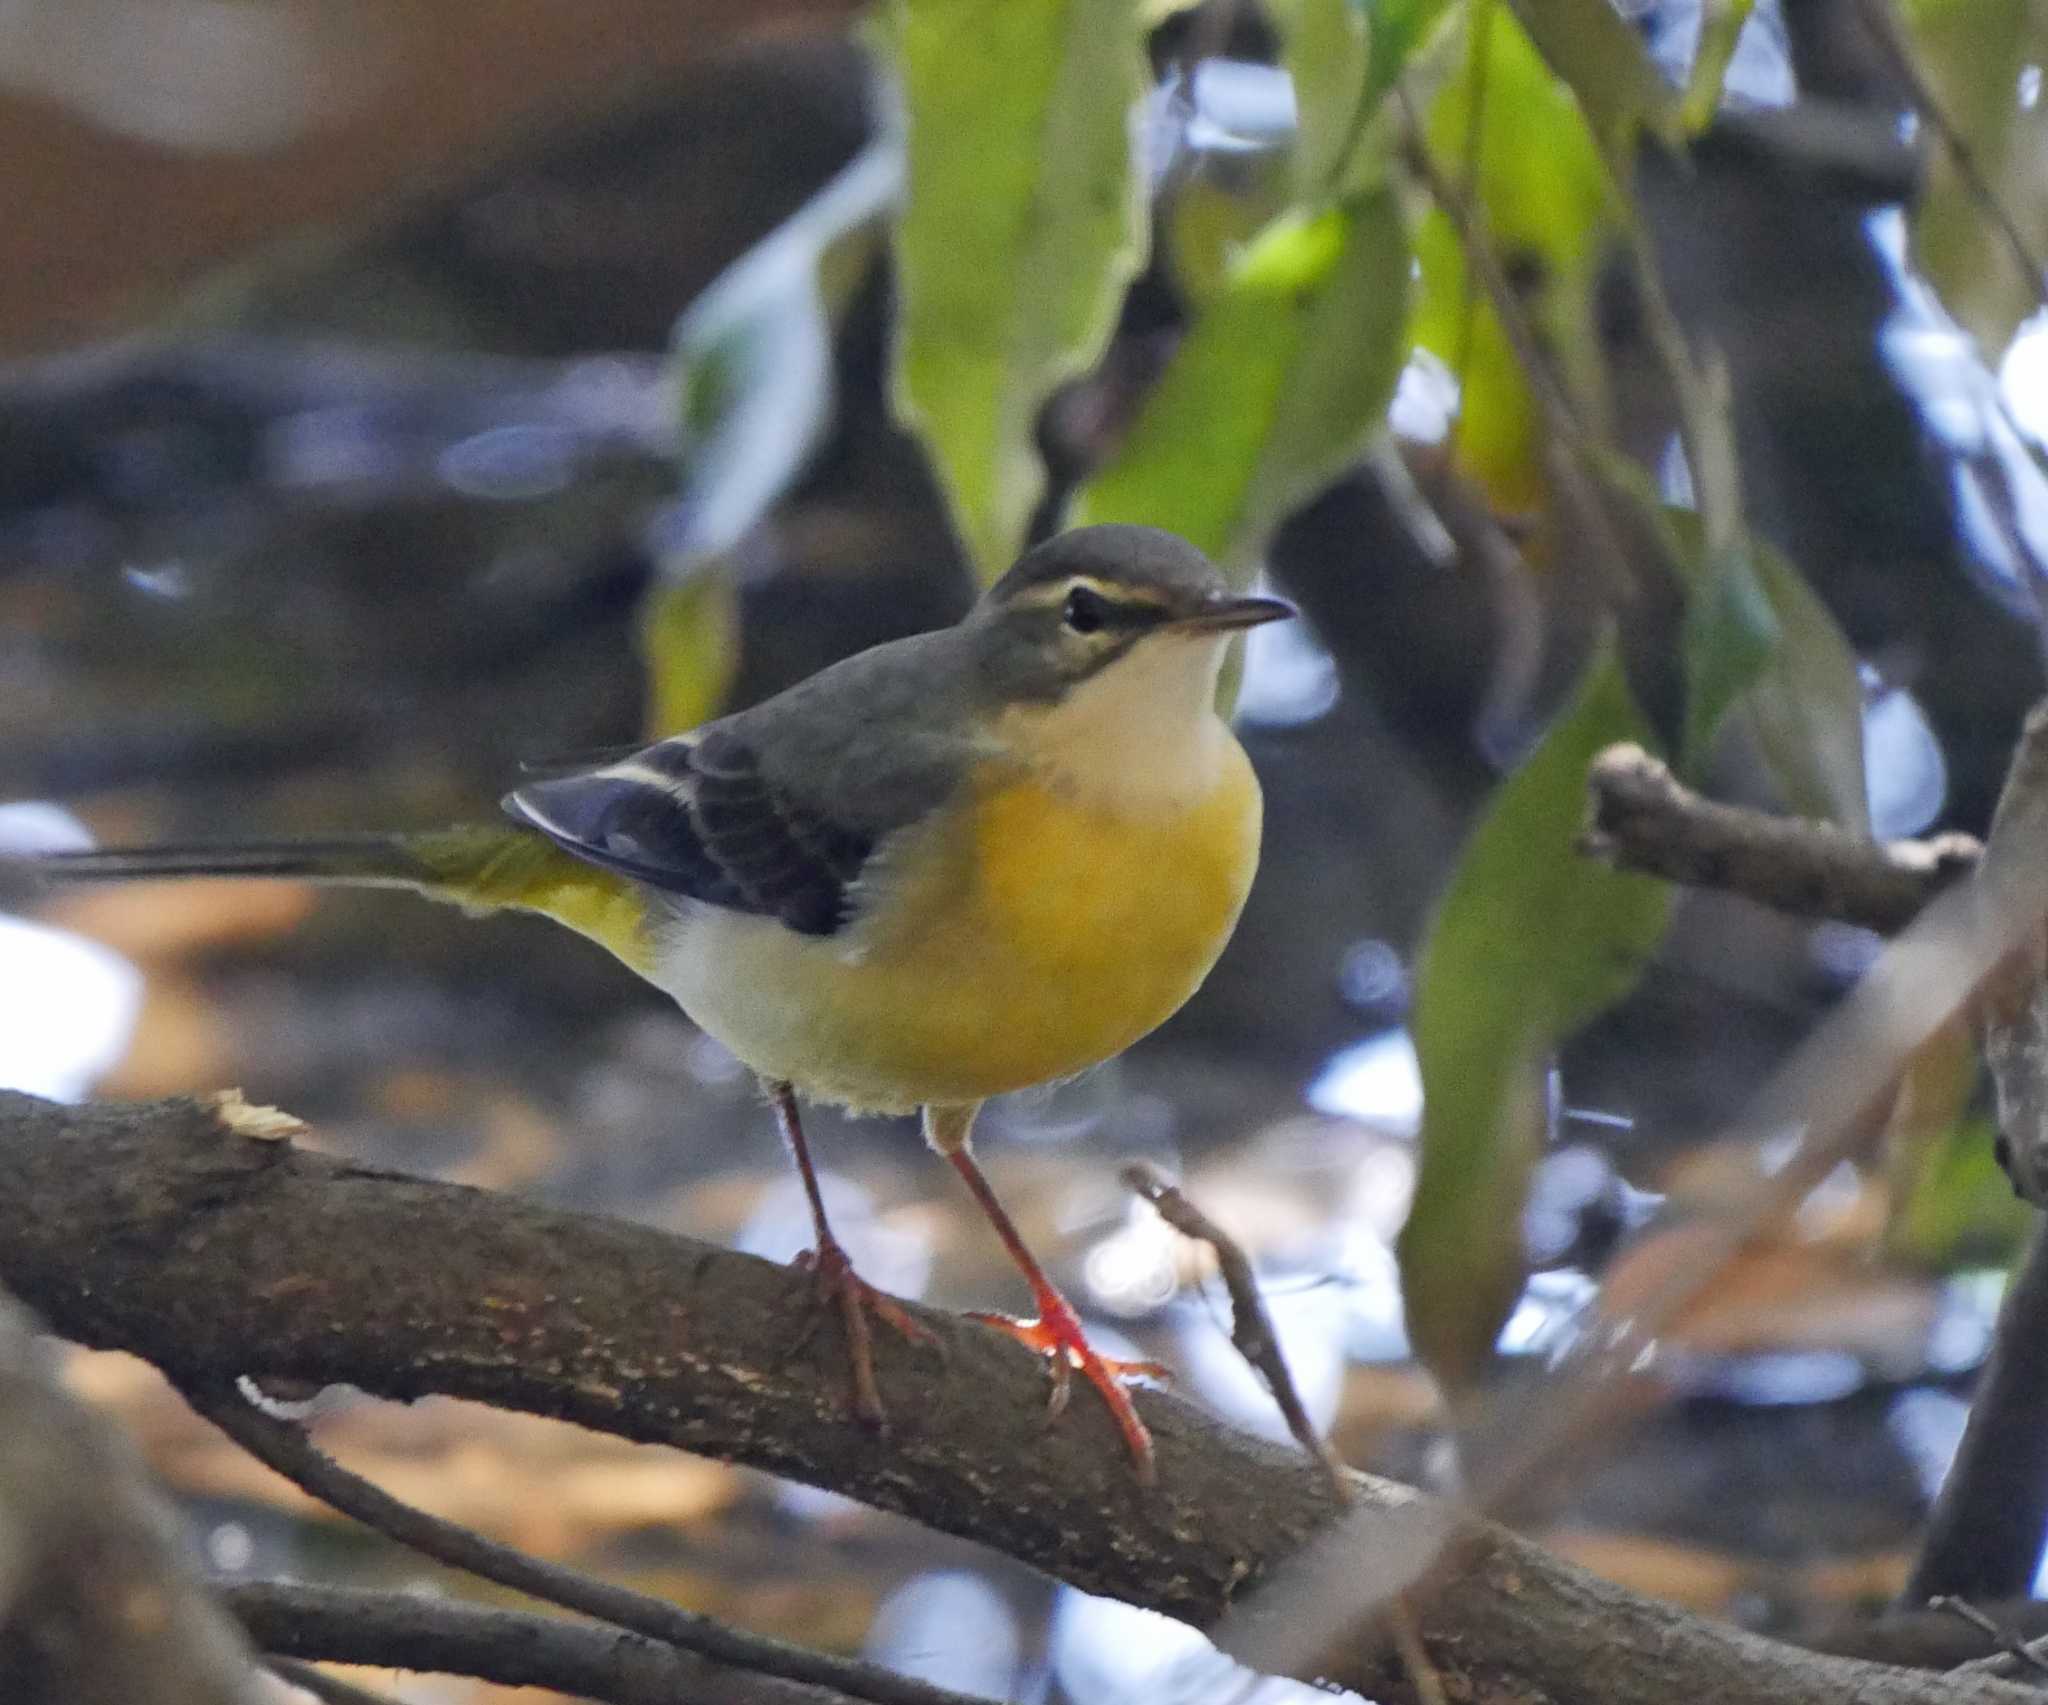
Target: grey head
pixel 778 810
pixel 1072 606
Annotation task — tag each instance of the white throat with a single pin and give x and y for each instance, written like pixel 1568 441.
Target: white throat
pixel 1142 736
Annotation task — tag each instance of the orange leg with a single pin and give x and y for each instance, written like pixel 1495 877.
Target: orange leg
pixel 839 1286
pixel 1056 1334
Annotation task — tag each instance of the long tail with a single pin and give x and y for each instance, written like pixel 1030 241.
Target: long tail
pixel 364 860
pixel 482 867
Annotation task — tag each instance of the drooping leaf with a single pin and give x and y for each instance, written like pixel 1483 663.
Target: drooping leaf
pixel 1326 46
pixel 1284 377
pixel 1731 634
pixel 1806 707
pixel 1721 25
pixel 1601 59
pixel 1955 1205
pixel 1757 642
pixel 1023 222
pixel 1932 1106
pixel 1529 942
pixel 1983 62
pixel 1541 195
pixel 689 644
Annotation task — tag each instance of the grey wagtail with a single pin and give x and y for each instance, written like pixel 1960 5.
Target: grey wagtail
pixel 955 865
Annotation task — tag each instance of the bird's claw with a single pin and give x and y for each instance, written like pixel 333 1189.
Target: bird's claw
pixel 839 1286
pixel 1056 1335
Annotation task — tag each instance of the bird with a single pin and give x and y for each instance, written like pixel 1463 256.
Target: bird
pixel 955 865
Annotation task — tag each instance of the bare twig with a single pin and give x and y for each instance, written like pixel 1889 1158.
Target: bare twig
pixel 1645 819
pixel 2015 1649
pixel 284 1446
pixel 1983 1538
pixel 1984 1535
pixel 397 1630
pixel 1251 1328
pixel 328 1689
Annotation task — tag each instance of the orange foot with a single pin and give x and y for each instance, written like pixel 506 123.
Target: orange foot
pixel 1056 1335
pixel 839 1286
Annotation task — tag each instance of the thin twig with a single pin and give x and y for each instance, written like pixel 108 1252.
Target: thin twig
pixel 328 1689
pixel 2012 1646
pixel 399 1630
pixel 1644 819
pixel 285 1447
pixel 1251 1328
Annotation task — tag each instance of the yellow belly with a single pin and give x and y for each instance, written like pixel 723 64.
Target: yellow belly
pixel 1042 938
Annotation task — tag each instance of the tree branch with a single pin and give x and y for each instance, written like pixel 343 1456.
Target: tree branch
pixel 163 1230
pixel 1645 819
pixel 395 1630
pixel 284 1447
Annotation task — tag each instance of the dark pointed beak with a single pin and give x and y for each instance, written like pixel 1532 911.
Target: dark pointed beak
pixel 1224 614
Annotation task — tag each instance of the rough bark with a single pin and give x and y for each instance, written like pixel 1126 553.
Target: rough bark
pixel 161 1230
pixel 1645 819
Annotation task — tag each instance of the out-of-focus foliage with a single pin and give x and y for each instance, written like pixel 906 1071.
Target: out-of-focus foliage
pixel 1022 224
pixel 1537 184
pixel 1599 56
pixel 753 359
pixel 1721 23
pixel 1983 61
pixel 1806 704
pixel 1758 643
pixel 1281 381
pixel 1949 1199
pixel 1327 48
pixel 1531 940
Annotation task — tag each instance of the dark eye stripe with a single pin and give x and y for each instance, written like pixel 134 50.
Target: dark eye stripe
pixel 1101 610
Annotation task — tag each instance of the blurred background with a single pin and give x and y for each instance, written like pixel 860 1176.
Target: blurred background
pixel 357 446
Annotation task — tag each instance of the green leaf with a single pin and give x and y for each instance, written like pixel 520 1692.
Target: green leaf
pixel 689 634
pixel 1954 1204
pixel 1283 379
pixel 1806 708
pixel 1721 23
pixel 1973 55
pixel 1023 223
pixel 1543 198
pixel 1602 61
pixel 1531 940
pixel 1759 644
pixel 1326 48
pixel 1731 634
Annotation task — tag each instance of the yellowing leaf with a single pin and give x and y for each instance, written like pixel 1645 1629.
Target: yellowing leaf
pixel 1601 58
pixel 1282 380
pixel 1024 221
pixel 1325 45
pixel 1530 941
pixel 689 646
pixel 1540 192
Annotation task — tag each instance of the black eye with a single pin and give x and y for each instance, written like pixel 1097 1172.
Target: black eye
pixel 1084 611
